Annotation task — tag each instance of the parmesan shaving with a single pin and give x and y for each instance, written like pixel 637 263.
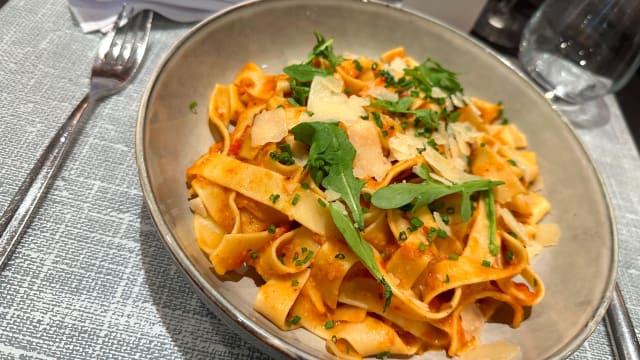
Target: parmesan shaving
pixel 445 168
pixel 404 146
pixel 197 206
pixel 548 234
pixel 472 320
pixel 382 93
pixel 499 350
pixel 437 93
pixel 327 103
pixel 269 126
pixel 441 224
pixel 514 225
pixel 369 160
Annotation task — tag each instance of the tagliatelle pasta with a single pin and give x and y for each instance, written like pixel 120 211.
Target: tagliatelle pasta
pixel 386 212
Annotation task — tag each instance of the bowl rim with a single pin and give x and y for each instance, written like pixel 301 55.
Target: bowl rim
pixel 222 307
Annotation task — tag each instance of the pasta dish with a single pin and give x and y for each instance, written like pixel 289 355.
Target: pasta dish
pixel 386 212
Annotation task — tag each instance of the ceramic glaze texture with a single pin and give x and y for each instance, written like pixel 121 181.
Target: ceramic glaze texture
pixel 578 272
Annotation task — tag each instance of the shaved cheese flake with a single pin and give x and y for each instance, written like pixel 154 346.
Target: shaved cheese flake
pixel 472 320
pixel 437 93
pixel 445 168
pixel 327 103
pixel 440 223
pixel 499 350
pixel 514 225
pixel 472 106
pixel 548 234
pixel 464 134
pixel 369 160
pixel 269 126
pixel 395 67
pixel 197 206
pixel 380 92
pixel 458 101
pixel 439 178
pixel 404 146
pixel 331 195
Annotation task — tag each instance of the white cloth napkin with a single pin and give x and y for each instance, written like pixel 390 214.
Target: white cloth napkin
pixel 95 15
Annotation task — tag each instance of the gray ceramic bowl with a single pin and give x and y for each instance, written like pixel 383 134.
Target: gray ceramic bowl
pixel 579 273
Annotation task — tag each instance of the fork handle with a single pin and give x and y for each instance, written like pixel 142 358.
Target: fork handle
pixel 16 217
pixel 620 328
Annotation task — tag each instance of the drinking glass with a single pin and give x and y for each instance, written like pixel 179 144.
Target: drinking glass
pixel 580 50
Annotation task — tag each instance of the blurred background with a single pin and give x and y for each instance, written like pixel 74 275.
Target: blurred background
pixel 500 24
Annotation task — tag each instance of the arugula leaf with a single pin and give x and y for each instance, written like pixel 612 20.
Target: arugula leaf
pixel 361 248
pixel 398 195
pixel 427 117
pixel 331 162
pixel 324 49
pixel 431 74
pixel 491 216
pixel 304 72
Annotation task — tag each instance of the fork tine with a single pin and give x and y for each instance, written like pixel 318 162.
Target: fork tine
pixel 129 37
pixel 119 33
pixel 142 30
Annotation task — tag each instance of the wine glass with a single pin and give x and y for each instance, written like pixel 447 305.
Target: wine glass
pixel 578 51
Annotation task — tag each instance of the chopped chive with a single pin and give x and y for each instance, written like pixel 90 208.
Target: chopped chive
pixel 446 279
pixel 535 282
pixel 385 133
pixel 431 234
pixel 253 255
pixel 512 162
pixel 374 66
pixel 304 249
pixel 486 263
pixel 310 113
pixel 296 256
pixel 322 203
pixel 383 355
pixel 304 185
pixel 416 222
pixel 294 320
pixel 357 65
pixel 274 198
pixel 422 246
pixel 193 107
pixel 364 117
pixel 509 255
pixel 305 260
pixel 334 339
pixel 504 121
pixel 295 199
pixel 453 256
pixel 293 102
pixel 445 219
pixel 441 234
pixel 294 282
pixel 271 229
pixel 402 236
pixel 339 256
pixel 329 324
pixel 513 235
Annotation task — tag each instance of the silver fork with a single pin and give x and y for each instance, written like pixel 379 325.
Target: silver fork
pixel 119 56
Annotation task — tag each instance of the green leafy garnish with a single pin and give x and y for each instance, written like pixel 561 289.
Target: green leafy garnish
pixel 361 248
pixel 302 74
pixel 330 162
pixel 422 194
pixel 431 74
pixel 427 117
pixel 491 217
pixel 305 72
pixel 193 106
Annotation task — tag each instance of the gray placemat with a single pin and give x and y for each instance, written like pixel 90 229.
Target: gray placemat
pixel 91 278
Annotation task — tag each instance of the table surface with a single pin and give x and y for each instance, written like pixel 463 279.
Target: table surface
pixel 91 278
